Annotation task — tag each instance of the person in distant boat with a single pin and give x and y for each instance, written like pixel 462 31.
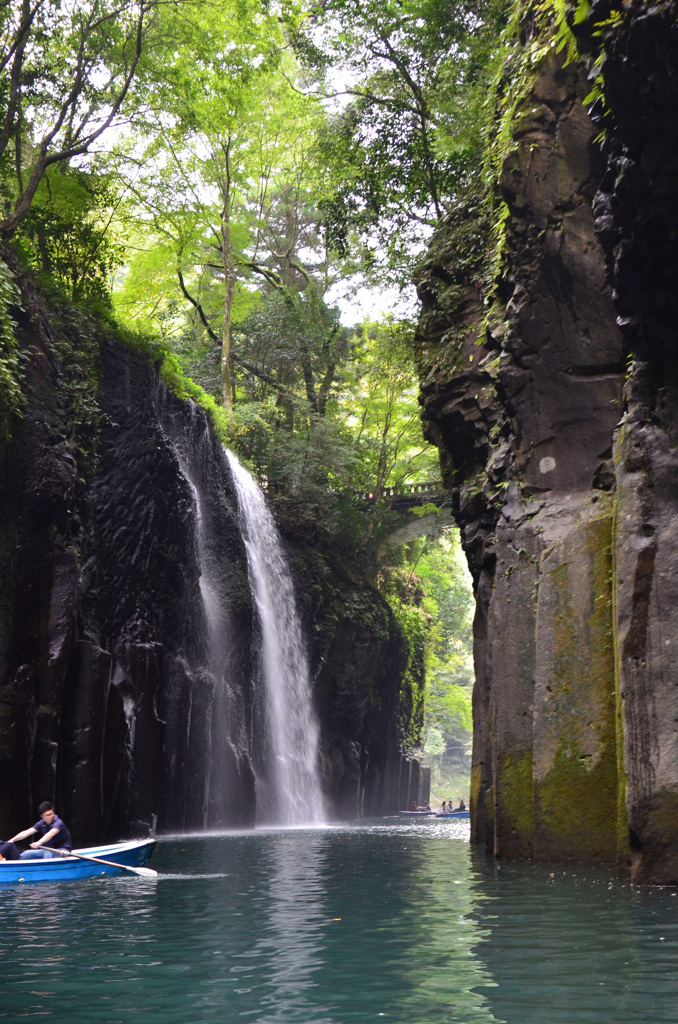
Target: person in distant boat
pixel 52 831
pixel 8 851
pixel 462 805
pixel 413 806
pixel 444 807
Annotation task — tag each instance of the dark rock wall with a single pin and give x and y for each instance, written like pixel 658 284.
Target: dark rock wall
pixel 156 460
pixel 365 683
pixel 113 701
pixel 561 461
pixel 636 209
pixel 109 697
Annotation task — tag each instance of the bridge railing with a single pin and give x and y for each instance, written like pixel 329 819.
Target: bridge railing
pixel 408 494
pixel 428 488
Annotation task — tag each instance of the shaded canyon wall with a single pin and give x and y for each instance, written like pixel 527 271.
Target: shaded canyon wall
pixel 556 420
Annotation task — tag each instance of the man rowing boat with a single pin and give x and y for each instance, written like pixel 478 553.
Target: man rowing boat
pixel 54 834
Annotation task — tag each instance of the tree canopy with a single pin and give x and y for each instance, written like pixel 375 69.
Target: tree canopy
pixel 66 70
pixel 410 141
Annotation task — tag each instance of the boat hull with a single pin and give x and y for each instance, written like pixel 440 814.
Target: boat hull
pixel 59 869
pixel 455 814
pixel 415 814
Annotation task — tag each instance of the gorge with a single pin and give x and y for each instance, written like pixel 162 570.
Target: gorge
pixel 146 597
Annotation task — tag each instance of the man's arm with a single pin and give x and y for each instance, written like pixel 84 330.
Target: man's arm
pixel 48 835
pixel 22 835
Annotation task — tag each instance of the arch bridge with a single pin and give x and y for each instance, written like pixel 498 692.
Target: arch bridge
pixel 405 498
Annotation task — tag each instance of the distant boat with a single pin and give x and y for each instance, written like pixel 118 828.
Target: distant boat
pixel 453 814
pixel 57 869
pixel 416 814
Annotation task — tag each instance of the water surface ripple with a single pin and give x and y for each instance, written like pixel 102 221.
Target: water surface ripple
pixel 391 921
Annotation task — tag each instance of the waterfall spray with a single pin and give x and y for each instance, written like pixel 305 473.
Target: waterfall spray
pixel 289 791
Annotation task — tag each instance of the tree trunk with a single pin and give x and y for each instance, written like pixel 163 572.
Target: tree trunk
pixel 229 275
pixel 307 370
pixel 229 290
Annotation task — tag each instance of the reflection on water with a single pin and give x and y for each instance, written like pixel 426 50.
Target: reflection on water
pixel 391 921
pixel 293 940
pixel 594 949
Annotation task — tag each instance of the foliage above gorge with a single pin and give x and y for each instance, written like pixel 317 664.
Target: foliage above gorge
pixel 66 72
pixel 410 140
pixel 219 165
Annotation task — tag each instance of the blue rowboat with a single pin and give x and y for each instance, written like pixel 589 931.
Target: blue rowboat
pixel 58 868
pixel 415 814
pixel 453 814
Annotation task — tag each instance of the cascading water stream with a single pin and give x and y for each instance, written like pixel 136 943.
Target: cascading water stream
pixel 289 791
pixel 216 640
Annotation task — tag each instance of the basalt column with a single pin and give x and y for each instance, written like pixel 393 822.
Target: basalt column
pixel 524 414
pixel 636 211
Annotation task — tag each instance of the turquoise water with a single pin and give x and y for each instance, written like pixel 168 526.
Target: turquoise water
pixel 394 922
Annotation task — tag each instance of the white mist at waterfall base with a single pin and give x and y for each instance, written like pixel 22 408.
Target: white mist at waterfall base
pixel 289 791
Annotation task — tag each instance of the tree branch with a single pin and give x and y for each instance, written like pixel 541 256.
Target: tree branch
pixel 260 374
pixel 194 302
pixel 46 159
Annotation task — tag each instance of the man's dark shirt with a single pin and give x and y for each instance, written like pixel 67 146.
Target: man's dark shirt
pixel 61 841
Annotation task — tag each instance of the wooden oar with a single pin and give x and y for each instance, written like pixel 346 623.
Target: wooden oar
pixel 144 872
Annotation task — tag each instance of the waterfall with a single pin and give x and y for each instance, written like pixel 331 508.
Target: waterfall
pixel 216 643
pixel 213 767
pixel 288 788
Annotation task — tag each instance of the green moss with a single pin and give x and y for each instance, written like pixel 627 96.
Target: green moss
pixel 412 688
pixel 475 241
pixel 461 245
pixel 414 682
pixel 623 851
pixel 584 772
pixel 77 339
pixel 576 807
pixel 515 800
pixel 11 377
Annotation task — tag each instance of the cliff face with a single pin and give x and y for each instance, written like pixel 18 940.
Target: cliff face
pixel 108 689
pixel 636 211
pixel 114 699
pixel 560 459
pixel 366 690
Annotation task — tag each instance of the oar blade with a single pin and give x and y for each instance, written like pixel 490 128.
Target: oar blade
pixel 144 872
